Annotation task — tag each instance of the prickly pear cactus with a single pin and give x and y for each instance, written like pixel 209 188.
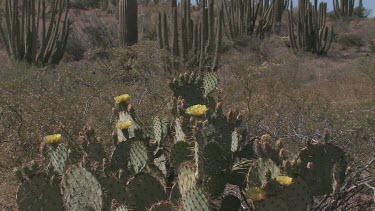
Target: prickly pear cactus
pixel 194 200
pixel 143 191
pixel 180 152
pixel 81 190
pixel 186 177
pixel 58 156
pixel 258 171
pixel 138 156
pixel 210 82
pixel 38 194
pixel 322 166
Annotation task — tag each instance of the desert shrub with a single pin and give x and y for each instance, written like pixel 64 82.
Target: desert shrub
pixel 350 40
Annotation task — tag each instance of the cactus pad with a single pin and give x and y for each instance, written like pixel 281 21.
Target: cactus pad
pixel 143 191
pixel 120 157
pixel 195 200
pixel 81 190
pixel 272 203
pixel 38 194
pixel 210 82
pixel 213 161
pixel 258 171
pixel 329 165
pixel 58 156
pixel 180 152
pixel 186 177
pixel 138 156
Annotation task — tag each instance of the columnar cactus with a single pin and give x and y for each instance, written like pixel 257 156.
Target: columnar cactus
pixel 192 42
pixel 312 34
pixel 128 24
pixel 30 36
pixel 343 8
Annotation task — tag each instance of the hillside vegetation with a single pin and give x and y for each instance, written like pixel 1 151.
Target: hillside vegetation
pixel 285 101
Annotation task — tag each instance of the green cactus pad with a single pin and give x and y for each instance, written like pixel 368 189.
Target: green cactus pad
pixel 195 200
pixel 58 156
pixel 214 161
pixel 81 190
pixel 38 194
pixel 210 82
pixel 230 203
pixel 180 152
pixel 235 141
pixel 113 190
pixel 121 156
pixel 329 163
pixel 258 170
pixel 138 156
pixel 158 131
pixel 297 197
pixel 186 177
pixel 272 203
pixel 143 191
pixel 214 185
pixel 162 206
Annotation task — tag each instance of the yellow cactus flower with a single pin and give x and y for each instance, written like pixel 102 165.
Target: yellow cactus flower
pixel 284 180
pixel 52 139
pixel 197 110
pixel 122 98
pixel 256 194
pixel 124 125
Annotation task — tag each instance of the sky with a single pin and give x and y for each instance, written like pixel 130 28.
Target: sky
pixel 370 4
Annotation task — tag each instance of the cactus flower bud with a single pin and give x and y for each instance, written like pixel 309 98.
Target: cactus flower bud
pixel 282 153
pixel 310 165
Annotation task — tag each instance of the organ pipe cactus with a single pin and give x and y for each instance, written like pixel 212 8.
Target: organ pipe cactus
pixel 128 24
pixel 30 36
pixel 312 34
pixel 343 7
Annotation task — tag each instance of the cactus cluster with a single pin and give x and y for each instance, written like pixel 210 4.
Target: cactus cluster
pixel 35 32
pixel 185 162
pixel 191 40
pixel 311 33
pixel 344 7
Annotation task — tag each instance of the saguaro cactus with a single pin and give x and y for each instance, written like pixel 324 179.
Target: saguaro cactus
pixel 22 36
pixel 128 24
pixel 312 33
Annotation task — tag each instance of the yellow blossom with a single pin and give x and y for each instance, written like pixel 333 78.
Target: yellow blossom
pixel 122 98
pixel 197 110
pixel 256 194
pixel 52 139
pixel 124 125
pixel 284 180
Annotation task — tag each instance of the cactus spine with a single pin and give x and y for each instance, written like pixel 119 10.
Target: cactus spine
pixel 127 24
pixel 312 33
pixel 344 8
pixel 22 36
